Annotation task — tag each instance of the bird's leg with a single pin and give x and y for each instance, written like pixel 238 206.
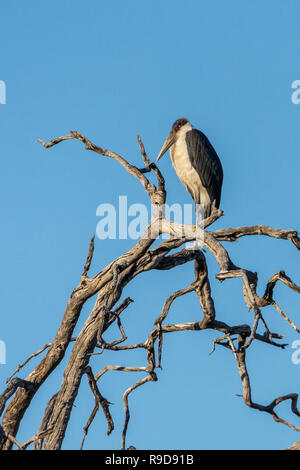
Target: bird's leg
pixel 198 243
pixel 199 226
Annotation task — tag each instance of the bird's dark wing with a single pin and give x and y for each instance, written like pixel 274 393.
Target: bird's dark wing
pixel 206 162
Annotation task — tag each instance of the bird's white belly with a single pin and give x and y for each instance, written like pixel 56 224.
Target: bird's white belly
pixel 187 173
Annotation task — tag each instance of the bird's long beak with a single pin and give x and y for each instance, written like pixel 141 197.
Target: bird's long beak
pixel 168 143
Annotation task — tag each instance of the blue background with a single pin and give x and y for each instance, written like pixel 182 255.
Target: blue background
pixel 111 70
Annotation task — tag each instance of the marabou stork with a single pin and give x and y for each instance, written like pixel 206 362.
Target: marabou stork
pixel 196 163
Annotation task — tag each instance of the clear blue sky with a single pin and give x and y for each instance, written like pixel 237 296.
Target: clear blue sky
pixel 111 70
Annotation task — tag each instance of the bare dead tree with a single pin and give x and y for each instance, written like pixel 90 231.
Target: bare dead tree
pixel 108 284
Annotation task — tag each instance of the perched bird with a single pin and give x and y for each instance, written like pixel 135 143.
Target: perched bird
pixel 196 163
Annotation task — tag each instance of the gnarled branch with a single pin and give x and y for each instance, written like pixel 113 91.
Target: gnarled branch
pixel 108 285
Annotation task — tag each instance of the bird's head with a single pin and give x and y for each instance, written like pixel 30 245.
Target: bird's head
pixel 171 139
